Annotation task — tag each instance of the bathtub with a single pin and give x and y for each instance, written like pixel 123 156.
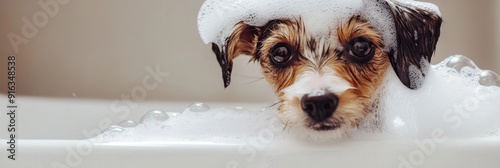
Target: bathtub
pixel 55 140
pixel 65 153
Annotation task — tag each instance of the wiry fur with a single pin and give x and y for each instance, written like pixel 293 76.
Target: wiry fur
pixel 324 66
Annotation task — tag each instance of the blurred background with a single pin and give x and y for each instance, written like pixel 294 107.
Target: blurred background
pixel 101 49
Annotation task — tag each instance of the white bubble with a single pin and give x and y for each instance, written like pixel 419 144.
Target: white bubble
pixel 154 116
pixel 127 124
pixel 459 61
pixel 174 114
pixel 163 127
pixel 111 133
pixel 198 107
pixel 114 129
pixel 489 78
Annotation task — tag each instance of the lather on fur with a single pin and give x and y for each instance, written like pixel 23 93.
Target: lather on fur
pixel 327 83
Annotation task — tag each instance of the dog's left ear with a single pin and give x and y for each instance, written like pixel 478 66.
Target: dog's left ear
pixel 242 41
pixel 417 33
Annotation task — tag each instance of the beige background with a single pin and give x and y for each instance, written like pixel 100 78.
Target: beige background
pixel 99 49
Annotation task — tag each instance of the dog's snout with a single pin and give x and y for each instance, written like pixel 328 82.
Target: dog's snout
pixel 320 107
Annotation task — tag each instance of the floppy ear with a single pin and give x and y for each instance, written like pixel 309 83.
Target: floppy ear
pixel 417 32
pixel 242 41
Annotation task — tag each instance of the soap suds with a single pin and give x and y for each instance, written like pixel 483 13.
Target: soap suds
pixel 450 100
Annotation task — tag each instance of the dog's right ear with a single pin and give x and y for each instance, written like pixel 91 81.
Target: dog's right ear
pixel 242 41
pixel 417 31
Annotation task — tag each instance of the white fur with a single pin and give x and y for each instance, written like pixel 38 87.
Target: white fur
pixel 313 82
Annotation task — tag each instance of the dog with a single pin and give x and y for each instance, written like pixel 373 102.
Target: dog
pixel 328 85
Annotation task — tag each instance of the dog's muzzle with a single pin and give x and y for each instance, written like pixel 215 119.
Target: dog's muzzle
pixel 320 107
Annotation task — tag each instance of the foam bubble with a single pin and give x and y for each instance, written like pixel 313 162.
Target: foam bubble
pixel 127 123
pixel 489 78
pixel 459 61
pixel 424 5
pixel 174 114
pixel 114 129
pixel 112 133
pixel 199 107
pixel 154 115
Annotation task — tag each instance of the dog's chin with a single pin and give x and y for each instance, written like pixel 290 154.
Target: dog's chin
pixel 303 127
pixel 319 131
pixel 324 126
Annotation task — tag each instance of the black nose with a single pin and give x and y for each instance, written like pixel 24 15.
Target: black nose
pixel 321 107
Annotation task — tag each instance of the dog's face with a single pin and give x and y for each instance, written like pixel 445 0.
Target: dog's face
pixel 327 83
pixel 323 83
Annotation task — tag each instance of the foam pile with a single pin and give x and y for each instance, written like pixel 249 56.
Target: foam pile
pixel 197 123
pixel 457 99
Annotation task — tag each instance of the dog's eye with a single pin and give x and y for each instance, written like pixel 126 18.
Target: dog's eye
pixel 361 50
pixel 280 54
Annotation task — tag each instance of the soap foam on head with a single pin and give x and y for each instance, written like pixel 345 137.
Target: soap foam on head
pixel 217 17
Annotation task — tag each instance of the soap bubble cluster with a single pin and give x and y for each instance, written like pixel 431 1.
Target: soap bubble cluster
pixel 198 122
pixel 456 98
pixel 467 67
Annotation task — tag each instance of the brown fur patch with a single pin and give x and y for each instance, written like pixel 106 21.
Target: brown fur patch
pixel 283 31
pixel 242 40
pixel 364 76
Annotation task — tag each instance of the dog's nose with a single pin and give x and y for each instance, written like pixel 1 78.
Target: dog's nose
pixel 320 107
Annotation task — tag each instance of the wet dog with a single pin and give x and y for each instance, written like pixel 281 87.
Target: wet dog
pixel 327 84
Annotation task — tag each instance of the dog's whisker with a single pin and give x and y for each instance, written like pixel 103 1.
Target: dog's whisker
pixel 274 104
pixel 347 135
pixel 286 126
pixel 251 77
pixel 248 76
pixel 252 82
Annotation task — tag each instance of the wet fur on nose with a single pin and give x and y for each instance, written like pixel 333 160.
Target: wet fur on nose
pixel 321 107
